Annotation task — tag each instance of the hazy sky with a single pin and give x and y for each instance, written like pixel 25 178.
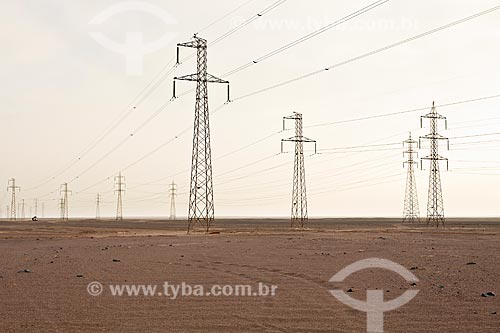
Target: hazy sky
pixel 61 89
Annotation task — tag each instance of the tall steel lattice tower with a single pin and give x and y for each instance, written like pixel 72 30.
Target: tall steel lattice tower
pixel 61 208
pixel 299 197
pixel 64 202
pixel 411 211
pixel 435 205
pixel 35 204
pixel 13 188
pixel 23 209
pixel 173 189
pixel 201 195
pixel 120 188
pixel 98 207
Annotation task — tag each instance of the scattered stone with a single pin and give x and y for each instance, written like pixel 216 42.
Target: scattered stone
pixel 441 287
pixel 413 268
pixel 471 263
pixel 116 260
pixel 413 284
pixel 79 275
pixel 350 290
pixel 382 238
pixel 170 245
pixel 26 270
pixel 488 294
pixel 494 312
pixel 51 262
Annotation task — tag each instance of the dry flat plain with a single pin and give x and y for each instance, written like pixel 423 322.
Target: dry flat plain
pixel 46 266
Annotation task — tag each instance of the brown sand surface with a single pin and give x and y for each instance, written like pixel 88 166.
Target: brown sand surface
pixel 63 258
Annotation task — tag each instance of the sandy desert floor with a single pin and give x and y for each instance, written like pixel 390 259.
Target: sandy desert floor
pixel 46 266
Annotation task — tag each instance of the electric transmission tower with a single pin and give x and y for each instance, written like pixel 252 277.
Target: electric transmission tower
pixel 13 188
pixel 201 195
pixel 173 189
pixel 43 209
pixel 120 188
pixel 61 208
pixel 299 197
pixel 411 208
pixel 23 211
pixel 35 204
pixel 64 202
pixel 435 206
pixel 98 207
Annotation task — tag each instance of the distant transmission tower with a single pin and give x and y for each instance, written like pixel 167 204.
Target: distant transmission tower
pixel 173 189
pixel 64 202
pixel 120 188
pixel 43 209
pixel 61 208
pixel 98 207
pixel 23 211
pixel 13 188
pixel 435 206
pixel 299 197
pixel 35 204
pixel 201 195
pixel 411 208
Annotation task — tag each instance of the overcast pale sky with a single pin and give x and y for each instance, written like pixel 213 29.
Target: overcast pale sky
pixel 61 89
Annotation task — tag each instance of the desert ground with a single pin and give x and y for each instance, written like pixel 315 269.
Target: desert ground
pixel 46 266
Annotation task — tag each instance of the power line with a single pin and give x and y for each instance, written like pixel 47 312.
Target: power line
pixel 211 24
pixel 352 60
pixel 390 114
pixel 139 98
pixel 368 54
pixel 247 22
pixel 308 36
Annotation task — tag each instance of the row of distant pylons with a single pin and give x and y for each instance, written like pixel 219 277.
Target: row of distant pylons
pixel 63 204
pixel 201 202
pixel 18 209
